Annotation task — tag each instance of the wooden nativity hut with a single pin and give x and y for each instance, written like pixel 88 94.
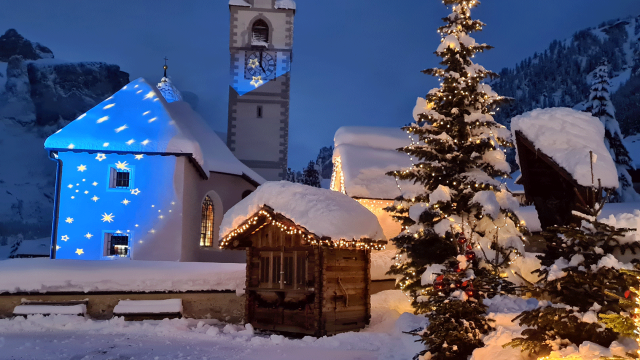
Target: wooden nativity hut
pixel 565 164
pixel 308 258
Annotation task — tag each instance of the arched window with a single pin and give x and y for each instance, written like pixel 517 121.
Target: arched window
pixel 260 33
pixel 206 226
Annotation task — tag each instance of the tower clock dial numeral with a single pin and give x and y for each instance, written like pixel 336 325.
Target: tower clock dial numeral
pixel 261 64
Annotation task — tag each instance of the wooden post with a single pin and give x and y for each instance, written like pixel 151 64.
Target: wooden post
pixel 271 269
pixel 295 270
pixel 282 269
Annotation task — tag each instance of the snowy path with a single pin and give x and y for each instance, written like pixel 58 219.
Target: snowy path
pixel 67 337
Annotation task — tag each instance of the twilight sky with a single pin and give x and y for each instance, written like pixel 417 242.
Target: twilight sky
pixel 356 62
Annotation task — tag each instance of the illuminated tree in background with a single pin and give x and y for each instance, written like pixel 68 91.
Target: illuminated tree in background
pixel 460 233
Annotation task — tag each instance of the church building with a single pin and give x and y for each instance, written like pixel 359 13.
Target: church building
pixel 142 176
pixel 260 45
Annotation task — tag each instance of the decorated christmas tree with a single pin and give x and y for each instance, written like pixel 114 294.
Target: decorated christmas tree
pixel 460 233
pixel 627 323
pixel 581 277
pixel 600 106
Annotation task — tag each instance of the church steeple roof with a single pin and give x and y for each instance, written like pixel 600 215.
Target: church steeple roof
pixel 166 87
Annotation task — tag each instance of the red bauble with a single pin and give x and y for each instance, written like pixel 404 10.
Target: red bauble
pixel 438 285
pixel 457 268
pixel 470 292
pixel 462 239
pixel 469 247
pixel 470 255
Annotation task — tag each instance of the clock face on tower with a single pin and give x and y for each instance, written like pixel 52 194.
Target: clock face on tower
pixel 261 64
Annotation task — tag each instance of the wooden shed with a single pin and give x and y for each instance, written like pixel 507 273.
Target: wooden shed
pixel 551 188
pixel 299 282
pixel 565 164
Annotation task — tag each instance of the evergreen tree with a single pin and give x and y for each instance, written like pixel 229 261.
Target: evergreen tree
pixel 580 276
pixel 627 323
pixel 463 212
pixel 311 176
pixel 600 106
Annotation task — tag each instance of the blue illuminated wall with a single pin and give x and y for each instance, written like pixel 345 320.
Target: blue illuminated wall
pixel 243 84
pixel 149 212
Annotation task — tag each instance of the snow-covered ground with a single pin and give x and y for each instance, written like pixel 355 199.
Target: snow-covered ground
pixel 26 275
pixel 68 337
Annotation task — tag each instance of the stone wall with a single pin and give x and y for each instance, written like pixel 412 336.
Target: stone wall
pixel 224 306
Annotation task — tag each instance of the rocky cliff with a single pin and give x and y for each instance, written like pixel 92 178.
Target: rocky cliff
pixel 38 96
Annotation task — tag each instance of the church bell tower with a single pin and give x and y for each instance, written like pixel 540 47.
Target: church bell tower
pixel 260 46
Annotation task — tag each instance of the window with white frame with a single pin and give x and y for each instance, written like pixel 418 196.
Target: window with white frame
pixel 119 178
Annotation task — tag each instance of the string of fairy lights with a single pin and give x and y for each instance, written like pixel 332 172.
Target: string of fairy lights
pixel 268 219
pixel 437 120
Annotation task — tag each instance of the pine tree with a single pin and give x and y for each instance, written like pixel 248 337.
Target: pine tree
pixel 463 212
pixel 580 276
pixel 627 323
pixel 600 106
pixel 311 176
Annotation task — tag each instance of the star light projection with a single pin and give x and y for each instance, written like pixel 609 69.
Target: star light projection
pixel 243 81
pixel 257 81
pixel 89 219
pixel 121 130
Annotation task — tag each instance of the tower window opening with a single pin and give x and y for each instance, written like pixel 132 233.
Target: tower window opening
pixel 260 33
pixel 259 112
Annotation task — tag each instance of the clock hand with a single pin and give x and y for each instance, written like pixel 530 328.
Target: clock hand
pixel 262 66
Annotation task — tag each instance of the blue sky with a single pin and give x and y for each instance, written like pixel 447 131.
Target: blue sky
pixel 356 62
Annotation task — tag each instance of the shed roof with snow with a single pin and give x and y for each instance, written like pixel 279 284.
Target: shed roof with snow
pixel 279 4
pixel 137 119
pixel 322 213
pixel 566 136
pixel 362 157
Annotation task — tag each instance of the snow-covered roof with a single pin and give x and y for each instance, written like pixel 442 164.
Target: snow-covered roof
pixel 366 154
pixel 239 3
pixel 280 4
pixel 26 275
pixel 322 212
pixel 567 136
pixel 285 4
pixel 137 119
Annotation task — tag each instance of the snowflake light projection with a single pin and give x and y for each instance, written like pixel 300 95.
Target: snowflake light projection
pixel 136 113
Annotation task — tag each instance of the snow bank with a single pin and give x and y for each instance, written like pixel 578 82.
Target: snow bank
pixel 367 153
pixel 567 136
pixel 168 306
pixel 321 211
pixel 71 337
pixel 45 275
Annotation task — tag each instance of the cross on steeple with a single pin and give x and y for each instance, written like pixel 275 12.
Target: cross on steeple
pixel 165 66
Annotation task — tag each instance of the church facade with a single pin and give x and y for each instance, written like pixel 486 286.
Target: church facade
pixel 260 46
pixel 141 176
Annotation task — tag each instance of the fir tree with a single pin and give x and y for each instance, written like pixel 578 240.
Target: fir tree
pixel 462 213
pixel 627 323
pixel 600 106
pixel 580 276
pixel 311 176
